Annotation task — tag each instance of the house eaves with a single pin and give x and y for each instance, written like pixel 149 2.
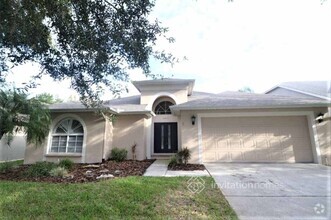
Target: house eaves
pixel 147 113
pixel 141 85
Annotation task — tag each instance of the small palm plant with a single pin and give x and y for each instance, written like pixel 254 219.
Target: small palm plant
pixel 184 155
pixel 18 112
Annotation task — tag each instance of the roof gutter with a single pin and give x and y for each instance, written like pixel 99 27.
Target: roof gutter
pixel 113 111
pixel 147 113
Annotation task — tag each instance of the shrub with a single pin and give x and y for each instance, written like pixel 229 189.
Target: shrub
pixel 6 166
pixel 59 172
pixel 66 163
pixel 173 161
pixel 9 165
pixel 40 169
pixel 184 155
pixel 118 154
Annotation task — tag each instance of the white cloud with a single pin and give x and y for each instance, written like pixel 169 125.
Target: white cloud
pixel 248 43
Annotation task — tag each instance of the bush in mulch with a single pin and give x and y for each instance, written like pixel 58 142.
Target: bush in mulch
pixel 188 166
pixel 6 166
pixel 180 161
pixel 66 163
pixel 59 172
pixel 118 154
pixel 80 173
pixel 40 169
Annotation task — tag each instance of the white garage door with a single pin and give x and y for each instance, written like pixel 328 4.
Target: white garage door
pixel 256 139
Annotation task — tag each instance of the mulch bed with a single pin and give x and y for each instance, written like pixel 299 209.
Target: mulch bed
pixel 188 166
pixel 82 173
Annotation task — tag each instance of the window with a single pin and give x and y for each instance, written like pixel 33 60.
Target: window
pixel 67 137
pixel 163 108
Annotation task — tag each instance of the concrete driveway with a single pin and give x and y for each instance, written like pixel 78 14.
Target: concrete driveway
pixel 275 191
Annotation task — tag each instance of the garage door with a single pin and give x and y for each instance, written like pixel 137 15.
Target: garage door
pixel 256 139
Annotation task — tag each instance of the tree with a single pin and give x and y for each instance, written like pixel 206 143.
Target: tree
pixel 92 42
pixel 246 89
pixel 48 98
pixel 18 113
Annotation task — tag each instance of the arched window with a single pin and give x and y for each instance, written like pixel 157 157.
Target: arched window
pixel 163 108
pixel 67 137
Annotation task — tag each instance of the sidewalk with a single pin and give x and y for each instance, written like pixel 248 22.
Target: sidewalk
pixel 160 168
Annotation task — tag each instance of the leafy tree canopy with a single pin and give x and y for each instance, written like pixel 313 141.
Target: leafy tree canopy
pixel 246 89
pixel 47 98
pixel 19 113
pixel 91 42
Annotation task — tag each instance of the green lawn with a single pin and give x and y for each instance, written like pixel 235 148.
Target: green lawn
pixel 122 198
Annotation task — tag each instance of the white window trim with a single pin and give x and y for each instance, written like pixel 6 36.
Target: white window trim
pixel 65 135
pixel 164 110
pixel 159 95
pixel 310 119
pixel 55 122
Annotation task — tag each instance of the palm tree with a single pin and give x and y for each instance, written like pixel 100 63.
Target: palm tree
pixel 19 113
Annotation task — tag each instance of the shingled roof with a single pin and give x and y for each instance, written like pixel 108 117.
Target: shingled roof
pixel 201 101
pixel 240 100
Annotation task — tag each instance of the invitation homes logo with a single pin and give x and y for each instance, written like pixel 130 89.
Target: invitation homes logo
pixel 319 208
pixel 195 184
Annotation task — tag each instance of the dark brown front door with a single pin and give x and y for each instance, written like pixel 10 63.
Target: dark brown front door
pixel 165 137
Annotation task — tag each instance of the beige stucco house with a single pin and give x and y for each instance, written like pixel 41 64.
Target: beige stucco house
pixel 169 115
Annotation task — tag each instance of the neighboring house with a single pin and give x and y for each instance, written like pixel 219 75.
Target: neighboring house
pixel 304 89
pixel 319 90
pixel 168 115
pixel 14 150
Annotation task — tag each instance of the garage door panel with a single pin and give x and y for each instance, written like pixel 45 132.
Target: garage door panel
pixel 256 139
pixel 258 132
pixel 235 144
pixel 261 156
pixel 302 155
pixel 222 144
pixel 249 156
pixel 248 143
pixel 298 143
pixel 275 143
pixel 233 132
pixel 289 156
pixel 293 132
pixel 261 143
pixel 223 156
pixel 210 156
pixel 276 155
pixel 236 156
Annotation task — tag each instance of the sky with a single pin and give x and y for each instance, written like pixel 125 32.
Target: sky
pixel 231 45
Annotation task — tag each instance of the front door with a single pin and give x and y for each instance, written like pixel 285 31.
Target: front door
pixel 165 138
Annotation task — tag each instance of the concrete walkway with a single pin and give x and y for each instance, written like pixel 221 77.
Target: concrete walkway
pixel 160 168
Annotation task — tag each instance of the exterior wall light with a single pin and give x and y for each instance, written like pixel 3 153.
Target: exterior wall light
pixel 193 119
pixel 319 118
